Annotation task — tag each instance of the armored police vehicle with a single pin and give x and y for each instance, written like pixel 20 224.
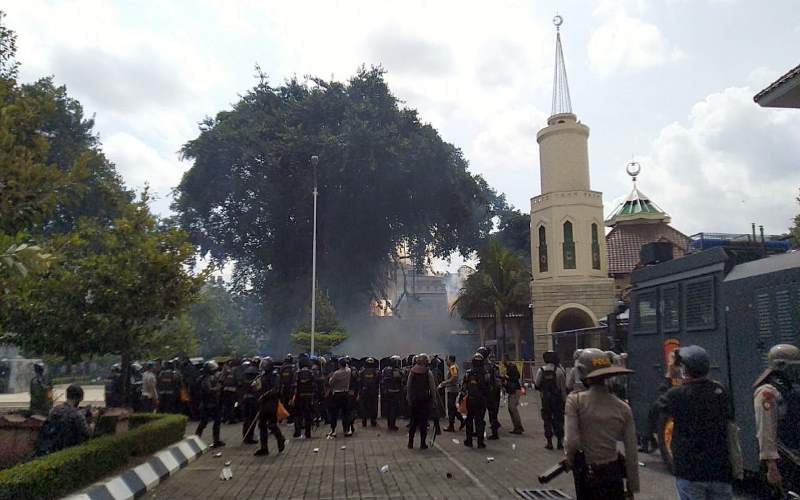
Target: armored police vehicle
pixel 736 311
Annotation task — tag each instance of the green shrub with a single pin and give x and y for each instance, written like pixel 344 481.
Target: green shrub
pixel 62 472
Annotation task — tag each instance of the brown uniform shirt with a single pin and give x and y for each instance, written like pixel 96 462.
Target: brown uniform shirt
pixel 595 421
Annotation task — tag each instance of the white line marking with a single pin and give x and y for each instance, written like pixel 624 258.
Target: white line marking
pixel 467 472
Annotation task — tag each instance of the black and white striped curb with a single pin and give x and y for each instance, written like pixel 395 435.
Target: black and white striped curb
pixel 135 482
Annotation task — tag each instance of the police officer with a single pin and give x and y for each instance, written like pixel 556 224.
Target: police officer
pixel 353 396
pixel 113 387
pixel 595 421
pixel 287 372
pixel 777 411
pixel 230 389
pixel 169 385
pixel 340 388
pixel 211 390
pixel 476 387
pixel 368 394
pixel 304 399
pixel 392 387
pixel 450 386
pixel 41 391
pixel 550 381
pixel 135 386
pixel 420 394
pixel 248 402
pixel 268 387
pixel 495 385
pixel 573 380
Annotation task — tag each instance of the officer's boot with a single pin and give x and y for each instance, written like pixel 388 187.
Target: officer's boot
pixel 281 441
pixel 263 450
pixel 364 422
pixel 549 445
pixel 297 423
pixel 423 437
pixel 560 443
pixel 410 441
pixel 481 442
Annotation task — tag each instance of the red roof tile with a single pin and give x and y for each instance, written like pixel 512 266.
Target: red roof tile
pixel 625 241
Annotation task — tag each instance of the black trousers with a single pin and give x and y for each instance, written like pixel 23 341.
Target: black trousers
pixel 268 422
pixel 227 401
pixel 303 415
pixel 249 410
pixel 476 425
pixel 452 410
pixel 392 407
pixel 167 402
pixel 553 417
pixel 369 407
pixel 600 482
pixel 209 413
pixel 493 407
pixel 420 413
pixel 340 409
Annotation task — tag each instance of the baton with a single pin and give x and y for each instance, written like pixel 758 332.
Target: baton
pixel 255 419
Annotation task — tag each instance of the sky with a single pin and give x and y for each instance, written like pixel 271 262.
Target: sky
pixel 667 83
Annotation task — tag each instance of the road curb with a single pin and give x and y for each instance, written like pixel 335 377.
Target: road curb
pixel 138 480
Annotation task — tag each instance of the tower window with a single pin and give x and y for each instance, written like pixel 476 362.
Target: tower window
pixel 569 247
pixel 542 250
pixel 595 248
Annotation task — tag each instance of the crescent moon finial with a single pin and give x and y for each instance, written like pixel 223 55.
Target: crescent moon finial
pixel 633 168
pixel 558 21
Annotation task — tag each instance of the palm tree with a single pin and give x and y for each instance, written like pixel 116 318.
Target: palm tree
pixel 500 285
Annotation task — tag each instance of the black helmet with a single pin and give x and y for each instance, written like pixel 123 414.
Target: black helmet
pixel 136 366
pixel 115 368
pixel 694 359
pixel 484 351
pixel 370 362
pixel 75 393
pixel 169 365
pixel 289 359
pixel 343 361
pixel 210 366
pixel 477 360
pixel 395 361
pixel 267 364
pixel 38 367
pixel 251 372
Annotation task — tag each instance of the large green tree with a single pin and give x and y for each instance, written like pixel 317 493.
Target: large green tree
pixel 219 322
pixel 328 332
pixel 108 290
pixel 500 285
pixel 385 180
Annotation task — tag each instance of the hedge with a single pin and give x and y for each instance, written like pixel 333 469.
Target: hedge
pixel 70 469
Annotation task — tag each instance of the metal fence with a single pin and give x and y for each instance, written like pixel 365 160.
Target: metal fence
pixel 565 343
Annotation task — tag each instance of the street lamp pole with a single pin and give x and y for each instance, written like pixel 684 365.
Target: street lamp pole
pixel 314 162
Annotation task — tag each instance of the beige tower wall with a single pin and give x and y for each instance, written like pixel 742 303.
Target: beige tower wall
pixel 563 145
pixel 567 196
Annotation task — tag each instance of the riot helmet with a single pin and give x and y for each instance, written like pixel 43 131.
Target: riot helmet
pixel 783 359
pixel 38 367
pixel 593 364
pixel 210 366
pixel 267 364
pixel 342 361
pixel 115 368
pixel 251 372
pixel 289 359
pixel 169 365
pixel 421 359
pixel 136 366
pixel 371 362
pixel 477 360
pixel 484 351
pixel 395 361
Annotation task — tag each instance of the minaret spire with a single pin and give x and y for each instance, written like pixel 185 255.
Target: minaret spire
pixel 561 100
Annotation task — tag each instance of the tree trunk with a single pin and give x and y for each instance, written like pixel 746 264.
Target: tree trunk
pixel 126 378
pixel 503 324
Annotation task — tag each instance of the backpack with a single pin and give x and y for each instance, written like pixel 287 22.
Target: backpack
pixel 549 382
pixel 420 389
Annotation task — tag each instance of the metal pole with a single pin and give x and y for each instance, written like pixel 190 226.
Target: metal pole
pixel 314 161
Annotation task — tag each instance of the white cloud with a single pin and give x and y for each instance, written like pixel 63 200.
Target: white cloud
pixel 625 43
pixel 140 164
pixel 732 163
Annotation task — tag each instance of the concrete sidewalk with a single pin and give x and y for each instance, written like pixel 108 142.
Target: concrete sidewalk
pixel 448 470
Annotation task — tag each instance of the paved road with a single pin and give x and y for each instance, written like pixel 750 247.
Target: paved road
pixel 448 470
pixel 93 395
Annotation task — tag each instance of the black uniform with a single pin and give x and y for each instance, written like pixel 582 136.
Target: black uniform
pixel 269 388
pixel 114 390
pixel 168 383
pixel 230 390
pixel 476 387
pixel 210 389
pixel 249 403
pixel 370 384
pixel 493 401
pixel 352 397
pixel 392 384
pixel 304 400
pixel 287 373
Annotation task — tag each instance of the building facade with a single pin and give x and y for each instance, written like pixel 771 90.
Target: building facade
pixel 571 288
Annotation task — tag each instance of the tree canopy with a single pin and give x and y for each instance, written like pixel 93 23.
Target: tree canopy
pixel 386 180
